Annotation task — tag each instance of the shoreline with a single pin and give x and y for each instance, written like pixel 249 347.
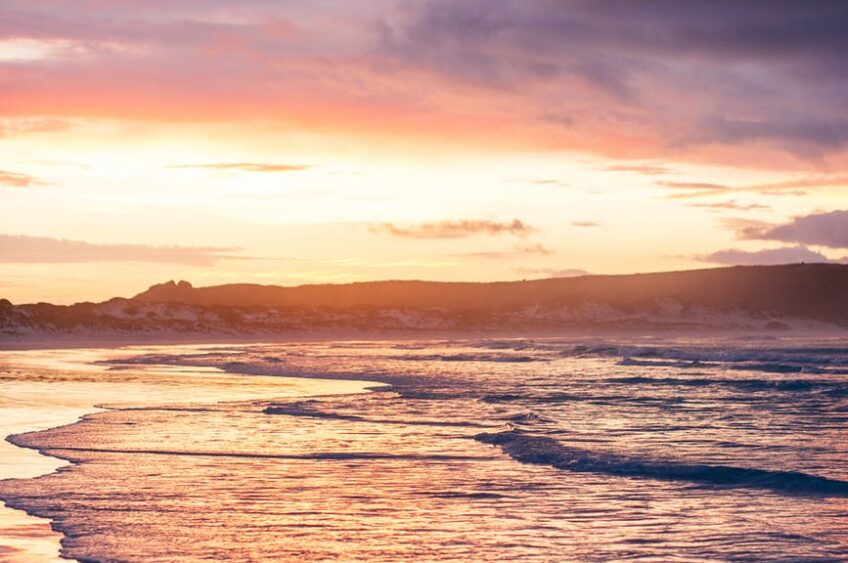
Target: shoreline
pixel 32 538
pixel 99 342
pixel 26 537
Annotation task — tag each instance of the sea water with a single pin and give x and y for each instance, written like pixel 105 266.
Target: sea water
pixel 601 449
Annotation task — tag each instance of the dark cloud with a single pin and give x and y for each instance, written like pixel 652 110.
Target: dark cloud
pixel 648 79
pixel 248 166
pixel 788 255
pixel 775 68
pixel 44 250
pixel 18 180
pixel 455 229
pixel 820 229
pixel 810 136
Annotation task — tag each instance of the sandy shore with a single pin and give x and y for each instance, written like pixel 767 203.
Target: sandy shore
pixel 41 389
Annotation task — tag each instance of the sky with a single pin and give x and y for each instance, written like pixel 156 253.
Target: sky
pixel 283 142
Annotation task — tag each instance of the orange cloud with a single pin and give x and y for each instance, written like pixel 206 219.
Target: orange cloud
pixel 17 180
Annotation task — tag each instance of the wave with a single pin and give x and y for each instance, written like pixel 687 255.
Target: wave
pixel 786 385
pixel 329 456
pixel 548 451
pixel 529 417
pixel 505 358
pixel 307 412
pixel 684 364
pixel 775 359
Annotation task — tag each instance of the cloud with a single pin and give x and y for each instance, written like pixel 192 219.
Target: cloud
pixel 810 136
pixel 820 229
pixel 550 182
pixel 13 126
pixel 765 64
pixel 44 250
pixel 534 249
pixel 455 229
pixel 648 80
pixel 686 190
pixel 797 186
pixel 554 272
pixel 18 180
pixel 585 224
pixel 247 166
pixel 645 169
pixel 730 205
pixel 791 187
pixel 518 251
pixel 787 255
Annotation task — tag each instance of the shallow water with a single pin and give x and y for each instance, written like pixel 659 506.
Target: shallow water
pixel 481 450
pixel 48 389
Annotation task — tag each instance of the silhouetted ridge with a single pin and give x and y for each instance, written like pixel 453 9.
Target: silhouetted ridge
pixel 818 291
pixel 753 299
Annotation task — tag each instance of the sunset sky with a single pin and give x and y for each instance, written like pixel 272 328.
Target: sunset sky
pixel 283 142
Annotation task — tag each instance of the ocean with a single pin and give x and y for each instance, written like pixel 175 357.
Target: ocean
pixel 578 449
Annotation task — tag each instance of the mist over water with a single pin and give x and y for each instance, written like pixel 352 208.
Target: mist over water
pixel 464 450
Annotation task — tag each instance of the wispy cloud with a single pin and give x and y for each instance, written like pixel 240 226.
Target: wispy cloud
pixel 18 180
pixel 585 224
pixel 791 187
pixel 455 229
pixel 731 205
pixel 518 251
pixel 798 186
pixel 686 190
pixel 550 182
pixel 45 250
pixel 247 166
pixel 645 169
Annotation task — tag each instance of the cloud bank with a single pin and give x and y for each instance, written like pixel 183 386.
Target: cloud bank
pixel 648 80
pixel 820 229
pixel 774 256
pixel 45 250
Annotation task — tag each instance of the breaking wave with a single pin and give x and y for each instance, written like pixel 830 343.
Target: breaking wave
pixel 787 385
pixel 548 451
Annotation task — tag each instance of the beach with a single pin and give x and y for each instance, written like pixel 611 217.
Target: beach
pixel 50 388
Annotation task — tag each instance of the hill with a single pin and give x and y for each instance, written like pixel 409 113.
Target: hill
pixel 753 298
